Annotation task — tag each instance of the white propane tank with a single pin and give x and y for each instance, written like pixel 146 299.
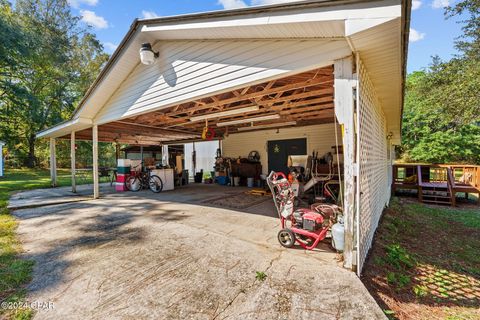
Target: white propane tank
pixel 338 234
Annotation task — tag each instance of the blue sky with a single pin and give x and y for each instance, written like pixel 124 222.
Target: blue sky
pixel 431 34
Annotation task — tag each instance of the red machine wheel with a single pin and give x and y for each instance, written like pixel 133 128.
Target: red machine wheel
pixel 286 238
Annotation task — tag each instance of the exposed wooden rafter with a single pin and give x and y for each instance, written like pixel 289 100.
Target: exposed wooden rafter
pixel 306 98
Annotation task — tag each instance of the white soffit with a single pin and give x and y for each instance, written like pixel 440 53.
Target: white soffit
pixel 318 22
pixel 65 128
pixel 380 50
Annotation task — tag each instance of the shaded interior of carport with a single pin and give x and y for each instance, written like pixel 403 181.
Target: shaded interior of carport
pixel 299 100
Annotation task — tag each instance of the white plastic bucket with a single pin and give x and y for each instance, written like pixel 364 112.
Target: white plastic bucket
pixel 236 181
pixel 250 182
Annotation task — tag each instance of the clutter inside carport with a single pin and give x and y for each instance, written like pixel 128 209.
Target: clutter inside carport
pixel 241 171
pixel 314 178
pixel 304 226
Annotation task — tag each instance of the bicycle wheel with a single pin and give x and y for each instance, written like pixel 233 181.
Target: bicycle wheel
pixel 133 183
pixel 155 184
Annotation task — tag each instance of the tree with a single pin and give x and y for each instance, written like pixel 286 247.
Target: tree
pixel 51 70
pixel 14 50
pixel 459 78
pixel 469 42
pixel 441 121
pixel 428 133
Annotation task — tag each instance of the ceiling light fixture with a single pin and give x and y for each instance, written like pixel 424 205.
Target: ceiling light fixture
pixel 247 120
pixel 268 126
pixel 147 55
pixel 224 113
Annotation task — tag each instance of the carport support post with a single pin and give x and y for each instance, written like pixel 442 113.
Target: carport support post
pixel 96 191
pixel 53 163
pixel 344 110
pixel 72 157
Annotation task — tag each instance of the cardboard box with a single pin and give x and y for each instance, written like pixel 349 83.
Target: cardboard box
pixel 136 165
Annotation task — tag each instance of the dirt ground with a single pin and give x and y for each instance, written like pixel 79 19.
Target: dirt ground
pixel 425 262
pixel 170 256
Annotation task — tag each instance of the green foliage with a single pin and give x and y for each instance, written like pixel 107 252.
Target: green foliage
pixel 389 313
pixel 23 314
pixel 420 291
pixel 469 10
pixel 441 120
pixel 430 134
pixel 398 280
pixel 14 271
pixel 442 246
pixel 398 257
pixel 260 275
pixel 47 64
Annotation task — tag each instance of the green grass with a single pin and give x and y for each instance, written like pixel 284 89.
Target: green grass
pixel 16 272
pixel 421 256
pixel 260 275
pixel 452 226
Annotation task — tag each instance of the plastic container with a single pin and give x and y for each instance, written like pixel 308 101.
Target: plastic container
pixel 236 181
pixel 120 187
pixel 250 182
pixel 123 170
pixel 338 235
pixel 122 177
pixel 198 177
pixel 123 163
pixel 222 180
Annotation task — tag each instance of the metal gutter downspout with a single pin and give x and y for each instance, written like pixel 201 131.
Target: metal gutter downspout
pixel 406 4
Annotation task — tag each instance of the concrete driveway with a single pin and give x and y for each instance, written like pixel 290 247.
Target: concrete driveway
pixel 171 256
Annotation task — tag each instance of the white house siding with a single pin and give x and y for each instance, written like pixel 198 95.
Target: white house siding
pixel 320 138
pixel 374 187
pixel 188 70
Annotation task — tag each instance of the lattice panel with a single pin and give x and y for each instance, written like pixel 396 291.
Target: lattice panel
pixel 374 163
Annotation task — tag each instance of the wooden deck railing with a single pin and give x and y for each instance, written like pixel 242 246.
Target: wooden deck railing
pixel 450 184
pixel 466 175
pixel 450 178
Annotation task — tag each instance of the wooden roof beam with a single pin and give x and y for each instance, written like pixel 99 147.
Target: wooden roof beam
pixel 275 90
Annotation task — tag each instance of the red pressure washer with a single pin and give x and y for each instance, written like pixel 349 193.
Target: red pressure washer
pixel 307 227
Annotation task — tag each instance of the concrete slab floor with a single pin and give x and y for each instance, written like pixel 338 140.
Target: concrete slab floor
pixel 165 256
pixel 51 196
